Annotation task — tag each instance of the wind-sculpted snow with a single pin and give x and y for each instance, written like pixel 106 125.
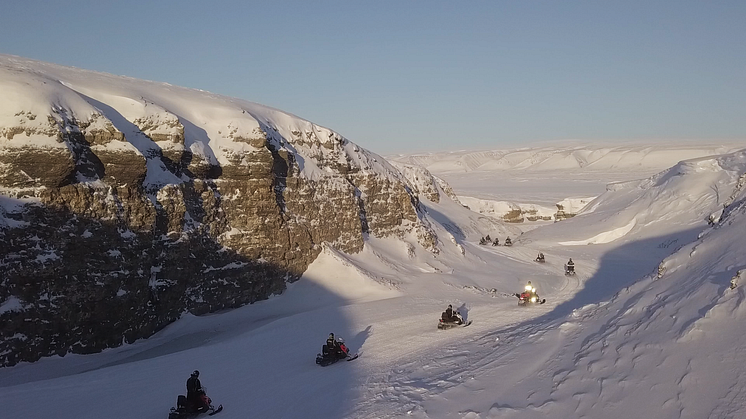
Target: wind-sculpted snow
pixel 676 199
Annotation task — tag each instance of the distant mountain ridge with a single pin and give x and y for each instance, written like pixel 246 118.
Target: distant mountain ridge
pixel 569 156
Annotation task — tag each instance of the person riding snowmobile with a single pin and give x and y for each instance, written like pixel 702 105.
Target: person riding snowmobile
pixel 451 316
pixel 334 347
pixel 570 267
pixel 496 242
pixel 195 392
pixel 508 242
pixel 529 293
pixel 195 402
pixel 540 257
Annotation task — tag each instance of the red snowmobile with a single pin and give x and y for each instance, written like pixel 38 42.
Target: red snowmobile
pixel 187 410
pixel 529 296
pixel 337 352
pixel 525 298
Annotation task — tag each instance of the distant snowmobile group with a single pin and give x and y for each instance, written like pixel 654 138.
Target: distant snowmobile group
pixel 488 240
pixel 569 266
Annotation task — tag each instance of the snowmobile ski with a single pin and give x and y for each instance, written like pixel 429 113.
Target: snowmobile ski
pixel 216 411
pixel 448 325
pixel 527 303
pixel 325 362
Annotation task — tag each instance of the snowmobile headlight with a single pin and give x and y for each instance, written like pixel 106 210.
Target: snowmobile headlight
pixel 533 299
pixel 533 289
pixel 528 287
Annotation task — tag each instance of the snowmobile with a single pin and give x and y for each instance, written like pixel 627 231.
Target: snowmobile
pixel 330 356
pixel 540 259
pixel 526 298
pixel 458 321
pixel 569 270
pixel 186 410
pixel 508 242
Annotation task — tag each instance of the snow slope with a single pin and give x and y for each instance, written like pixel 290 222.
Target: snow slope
pixel 648 327
pixel 544 175
pixel 668 345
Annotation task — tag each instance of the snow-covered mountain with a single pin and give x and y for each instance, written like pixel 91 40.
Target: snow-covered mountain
pixel 125 203
pixel 552 181
pixel 651 325
pixel 567 155
pixel 636 339
pixel 656 304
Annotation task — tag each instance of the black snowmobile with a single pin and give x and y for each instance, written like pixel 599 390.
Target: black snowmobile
pixel 187 410
pixel 508 242
pixel 569 270
pixel 330 356
pixel 540 258
pixel 454 321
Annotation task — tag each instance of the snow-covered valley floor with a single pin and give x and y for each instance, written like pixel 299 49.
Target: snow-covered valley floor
pixel 647 328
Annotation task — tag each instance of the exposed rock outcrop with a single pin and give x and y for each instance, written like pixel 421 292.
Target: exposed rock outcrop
pixel 125 203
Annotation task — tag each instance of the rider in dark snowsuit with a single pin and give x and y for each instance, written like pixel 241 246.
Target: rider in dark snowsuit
pixel 570 266
pixel 450 316
pixel 194 391
pixel 334 347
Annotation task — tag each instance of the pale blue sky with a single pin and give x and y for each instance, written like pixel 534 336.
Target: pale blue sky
pixel 407 75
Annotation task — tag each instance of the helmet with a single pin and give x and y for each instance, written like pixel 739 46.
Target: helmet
pixel 195 373
pixel 340 340
pixel 450 306
pixel 331 336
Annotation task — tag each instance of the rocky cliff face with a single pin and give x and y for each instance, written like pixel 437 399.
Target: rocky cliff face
pixel 125 203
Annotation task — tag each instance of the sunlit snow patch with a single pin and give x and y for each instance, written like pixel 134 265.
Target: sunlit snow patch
pixel 340 275
pixel 605 237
